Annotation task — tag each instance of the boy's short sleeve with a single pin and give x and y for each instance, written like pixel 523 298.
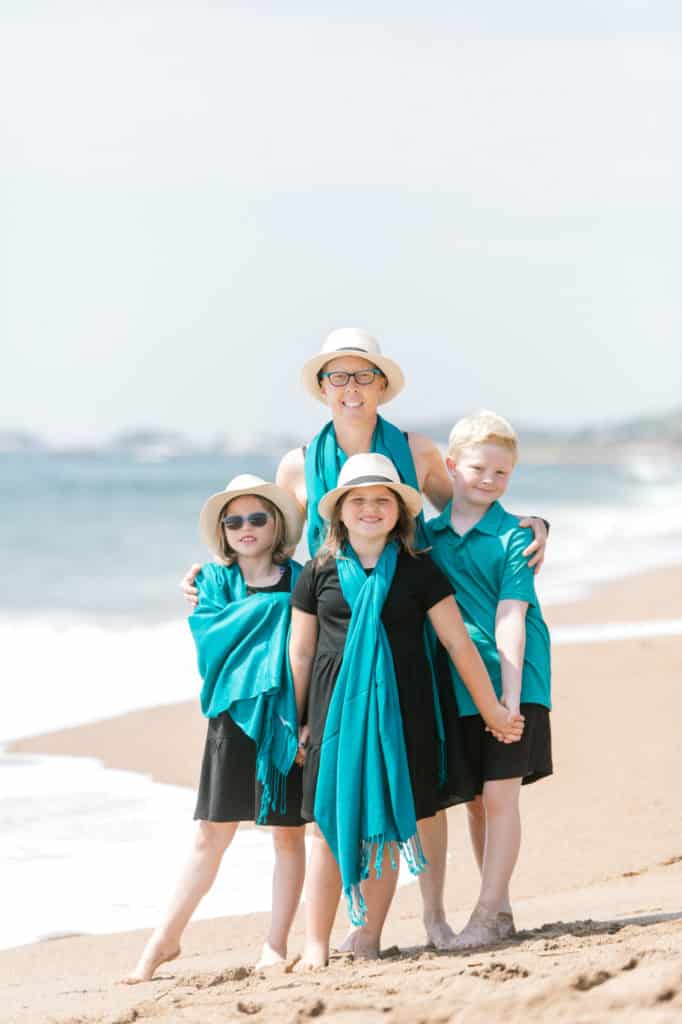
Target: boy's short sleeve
pixel 304 594
pixel 518 579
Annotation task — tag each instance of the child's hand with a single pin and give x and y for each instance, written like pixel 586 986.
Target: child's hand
pixel 505 725
pixel 511 703
pixel 187 585
pixel 303 741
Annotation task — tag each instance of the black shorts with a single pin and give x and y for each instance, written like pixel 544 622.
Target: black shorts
pixel 529 760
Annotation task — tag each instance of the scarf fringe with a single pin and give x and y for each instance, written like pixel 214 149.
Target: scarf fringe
pixel 274 795
pixel 373 850
pixel 357 908
pixel 413 853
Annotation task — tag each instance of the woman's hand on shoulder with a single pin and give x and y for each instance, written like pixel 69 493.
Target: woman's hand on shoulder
pixel 535 552
pixel 187 585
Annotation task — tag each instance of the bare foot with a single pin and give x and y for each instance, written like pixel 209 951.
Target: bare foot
pixel 269 958
pixel 505 925
pixel 439 934
pixel 314 958
pixel 361 944
pixel 480 930
pixel 152 958
pixel 347 944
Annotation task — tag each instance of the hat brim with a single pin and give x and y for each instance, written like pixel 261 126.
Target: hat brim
pixel 412 498
pixel 209 524
pixel 395 378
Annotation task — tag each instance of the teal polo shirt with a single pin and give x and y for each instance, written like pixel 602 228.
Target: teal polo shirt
pixel 486 566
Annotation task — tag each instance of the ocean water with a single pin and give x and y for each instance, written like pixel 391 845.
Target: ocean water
pixel 92 624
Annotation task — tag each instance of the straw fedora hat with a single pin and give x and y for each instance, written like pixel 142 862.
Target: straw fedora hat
pixel 368 470
pixel 353 341
pixel 209 518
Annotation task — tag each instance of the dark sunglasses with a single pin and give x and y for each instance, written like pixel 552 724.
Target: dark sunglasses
pixel 253 519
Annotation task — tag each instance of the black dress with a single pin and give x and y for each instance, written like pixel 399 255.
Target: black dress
pixel 418 585
pixel 228 788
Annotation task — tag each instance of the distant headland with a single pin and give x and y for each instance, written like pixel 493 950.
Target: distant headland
pixel 658 436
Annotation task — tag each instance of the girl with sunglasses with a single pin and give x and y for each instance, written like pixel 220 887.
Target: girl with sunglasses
pixel 364 684
pixel 240 627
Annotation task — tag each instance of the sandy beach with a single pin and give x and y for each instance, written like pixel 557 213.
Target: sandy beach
pixel 598 890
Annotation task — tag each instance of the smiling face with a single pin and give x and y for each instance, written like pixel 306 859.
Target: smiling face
pixel 369 512
pixel 249 541
pixel 354 401
pixel 480 474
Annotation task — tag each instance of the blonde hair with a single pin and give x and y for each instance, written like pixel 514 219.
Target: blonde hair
pixel 279 549
pixel 484 427
pixel 337 534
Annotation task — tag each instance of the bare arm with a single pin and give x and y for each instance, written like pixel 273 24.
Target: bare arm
pixel 510 637
pixel 302 647
pixel 432 475
pixel 291 475
pixel 451 631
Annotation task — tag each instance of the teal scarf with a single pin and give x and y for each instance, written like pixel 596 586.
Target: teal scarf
pixel 364 795
pixel 242 644
pixel 324 459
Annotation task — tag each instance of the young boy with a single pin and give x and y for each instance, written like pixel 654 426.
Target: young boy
pixel 480 548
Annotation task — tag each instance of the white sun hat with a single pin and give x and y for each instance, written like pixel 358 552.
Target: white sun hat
pixel 370 469
pixel 353 341
pixel 209 519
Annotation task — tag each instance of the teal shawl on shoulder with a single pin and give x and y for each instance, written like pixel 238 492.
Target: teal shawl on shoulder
pixel 364 796
pixel 324 459
pixel 242 645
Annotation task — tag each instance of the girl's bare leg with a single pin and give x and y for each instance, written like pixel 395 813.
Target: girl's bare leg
pixel 211 840
pixel 433 834
pixel 365 941
pixel 287 885
pixel 323 890
pixel 502 843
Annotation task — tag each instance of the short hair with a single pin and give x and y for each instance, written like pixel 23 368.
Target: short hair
pixel 337 534
pixel 484 427
pixel 280 552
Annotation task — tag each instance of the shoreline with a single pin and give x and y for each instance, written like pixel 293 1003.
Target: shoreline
pixel 601 839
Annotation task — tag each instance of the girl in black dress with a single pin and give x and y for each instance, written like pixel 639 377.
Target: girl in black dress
pixel 370 508
pixel 249 526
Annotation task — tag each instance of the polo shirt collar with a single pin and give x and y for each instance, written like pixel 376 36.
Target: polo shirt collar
pixel 490 523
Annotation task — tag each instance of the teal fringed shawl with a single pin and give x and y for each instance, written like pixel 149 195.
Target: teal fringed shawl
pixel 242 645
pixel 364 796
pixel 324 459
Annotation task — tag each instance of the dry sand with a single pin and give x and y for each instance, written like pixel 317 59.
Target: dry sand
pixel 598 888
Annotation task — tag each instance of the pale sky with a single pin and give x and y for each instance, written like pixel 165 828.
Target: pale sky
pixel 193 194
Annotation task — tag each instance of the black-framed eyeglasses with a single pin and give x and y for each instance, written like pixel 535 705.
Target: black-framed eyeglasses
pixel 253 519
pixel 339 378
